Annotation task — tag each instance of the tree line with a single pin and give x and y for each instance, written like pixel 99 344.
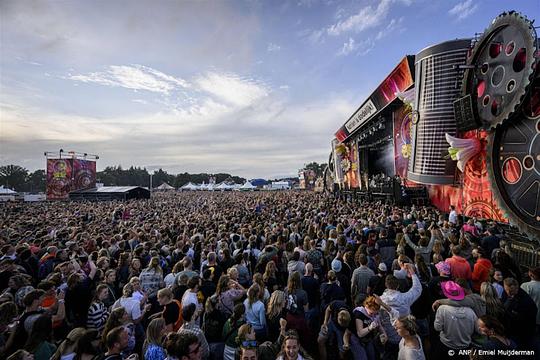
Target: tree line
pixel 20 179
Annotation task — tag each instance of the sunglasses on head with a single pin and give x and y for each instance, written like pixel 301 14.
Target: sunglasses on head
pixel 249 343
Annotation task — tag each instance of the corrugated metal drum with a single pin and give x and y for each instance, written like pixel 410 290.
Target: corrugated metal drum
pixel 438 84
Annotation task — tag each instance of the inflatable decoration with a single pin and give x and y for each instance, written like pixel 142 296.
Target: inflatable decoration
pixel 462 150
pixel 500 68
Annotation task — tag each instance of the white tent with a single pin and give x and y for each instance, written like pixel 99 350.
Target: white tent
pixel 224 186
pixel 6 191
pixel 7 194
pixel 247 186
pixel 165 186
pixel 189 186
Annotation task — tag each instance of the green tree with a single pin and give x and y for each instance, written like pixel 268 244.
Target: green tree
pixel 318 168
pixel 36 181
pixel 13 176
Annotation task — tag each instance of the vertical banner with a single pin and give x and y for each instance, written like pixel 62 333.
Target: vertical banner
pixel 302 179
pixel 84 174
pixel 339 176
pixel 352 178
pixel 59 173
pixel 402 139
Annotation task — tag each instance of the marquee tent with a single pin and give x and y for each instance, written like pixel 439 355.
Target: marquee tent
pixel 247 186
pixel 164 187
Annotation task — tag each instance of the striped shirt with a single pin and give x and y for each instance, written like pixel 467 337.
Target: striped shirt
pixel 97 316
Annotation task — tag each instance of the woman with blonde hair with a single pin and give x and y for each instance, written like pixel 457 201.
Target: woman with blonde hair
pixel 264 294
pixel 494 306
pixel 152 278
pixel 276 310
pixel 270 277
pixel 135 267
pixel 67 348
pixel 153 345
pixel 410 346
pixel 255 312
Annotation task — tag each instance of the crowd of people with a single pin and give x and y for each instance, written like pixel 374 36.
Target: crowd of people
pixel 262 275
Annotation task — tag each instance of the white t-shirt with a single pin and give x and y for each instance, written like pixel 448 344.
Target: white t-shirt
pixel 407 353
pixel 132 306
pixel 452 217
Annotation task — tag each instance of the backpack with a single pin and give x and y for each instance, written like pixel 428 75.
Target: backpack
pixel 180 319
pixel 292 306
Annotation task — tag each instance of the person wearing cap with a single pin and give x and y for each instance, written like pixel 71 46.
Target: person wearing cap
pixel 456 325
pixel 470 300
pixel 434 285
pixel 376 283
pixel 532 288
pixel 481 269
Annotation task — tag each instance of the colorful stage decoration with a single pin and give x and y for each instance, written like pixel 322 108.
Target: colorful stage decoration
pixel 462 150
pixel 437 72
pixel 514 164
pixel 59 173
pixel 480 97
pixel 348 154
pixel 501 85
pixel 500 69
pixel 68 172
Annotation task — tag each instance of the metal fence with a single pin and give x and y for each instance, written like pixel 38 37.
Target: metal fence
pixel 526 254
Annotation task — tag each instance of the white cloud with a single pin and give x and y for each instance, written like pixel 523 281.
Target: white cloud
pixel 395 25
pixel 273 47
pixel 463 10
pixel 348 47
pixel 366 18
pixel 232 88
pixel 284 87
pixel 357 48
pixel 135 77
pixel 257 141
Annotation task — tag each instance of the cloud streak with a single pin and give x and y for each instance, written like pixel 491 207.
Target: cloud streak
pixel 366 18
pixel 463 10
pixel 134 77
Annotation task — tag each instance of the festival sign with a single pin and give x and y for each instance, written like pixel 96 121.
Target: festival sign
pixel 59 172
pixel 84 174
pixel 399 80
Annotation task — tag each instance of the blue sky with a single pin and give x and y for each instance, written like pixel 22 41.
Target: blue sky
pixel 254 88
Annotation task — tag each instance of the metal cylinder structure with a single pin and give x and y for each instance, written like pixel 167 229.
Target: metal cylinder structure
pixel 438 80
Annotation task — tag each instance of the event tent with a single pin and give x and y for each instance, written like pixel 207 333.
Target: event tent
pixel 7 194
pixel 189 186
pixel 6 191
pixel 164 187
pixel 247 186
